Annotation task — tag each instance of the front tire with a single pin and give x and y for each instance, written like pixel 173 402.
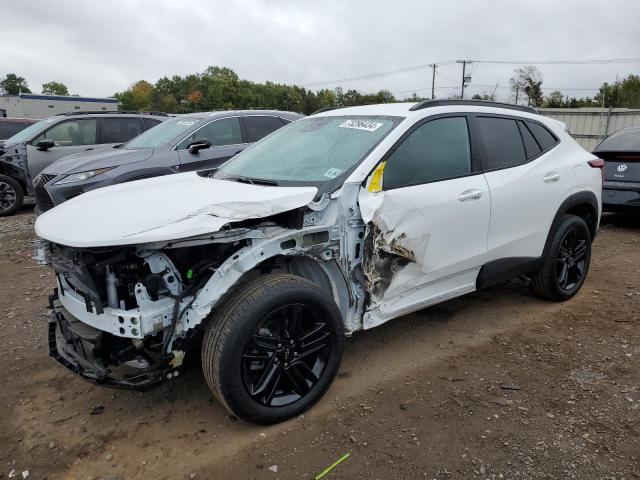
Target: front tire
pixel 11 196
pixel 273 348
pixel 565 261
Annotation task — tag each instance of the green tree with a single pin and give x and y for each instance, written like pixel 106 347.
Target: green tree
pixel 554 100
pixel 528 81
pixel 12 85
pixel 54 88
pixel 622 94
pixel 221 88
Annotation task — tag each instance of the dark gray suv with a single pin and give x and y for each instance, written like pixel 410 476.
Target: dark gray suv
pixel 25 154
pixel 197 141
pixel 621 154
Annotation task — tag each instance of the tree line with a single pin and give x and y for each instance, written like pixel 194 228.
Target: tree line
pixel 527 83
pixel 220 88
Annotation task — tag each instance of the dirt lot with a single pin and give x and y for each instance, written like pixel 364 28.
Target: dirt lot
pixel 497 384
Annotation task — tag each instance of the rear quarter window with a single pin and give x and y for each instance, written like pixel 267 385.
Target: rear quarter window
pixel 543 136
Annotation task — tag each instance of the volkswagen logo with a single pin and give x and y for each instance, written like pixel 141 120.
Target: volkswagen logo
pixel 622 167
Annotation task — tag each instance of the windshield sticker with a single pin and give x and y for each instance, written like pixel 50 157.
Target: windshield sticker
pixel 332 172
pixel 366 125
pixel 186 123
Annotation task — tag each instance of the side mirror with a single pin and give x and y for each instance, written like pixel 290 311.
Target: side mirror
pixel 198 144
pixel 44 145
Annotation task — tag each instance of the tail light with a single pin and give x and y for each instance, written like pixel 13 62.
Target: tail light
pixel 598 163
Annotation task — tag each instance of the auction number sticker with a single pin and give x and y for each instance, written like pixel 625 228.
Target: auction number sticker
pixel 366 125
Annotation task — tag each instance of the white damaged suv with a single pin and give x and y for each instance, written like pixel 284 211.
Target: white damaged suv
pixel 335 223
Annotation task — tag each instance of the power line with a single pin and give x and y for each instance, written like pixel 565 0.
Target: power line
pixel 424 66
pixel 376 75
pixel 561 62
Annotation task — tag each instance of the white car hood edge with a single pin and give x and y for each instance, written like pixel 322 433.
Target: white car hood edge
pixel 165 208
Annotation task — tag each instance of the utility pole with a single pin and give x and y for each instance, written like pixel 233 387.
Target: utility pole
pixel 493 95
pixel 517 91
pixel 433 79
pixel 464 77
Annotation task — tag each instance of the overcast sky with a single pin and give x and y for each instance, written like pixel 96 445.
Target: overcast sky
pixel 100 47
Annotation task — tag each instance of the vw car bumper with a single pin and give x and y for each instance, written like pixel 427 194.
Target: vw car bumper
pixel 620 195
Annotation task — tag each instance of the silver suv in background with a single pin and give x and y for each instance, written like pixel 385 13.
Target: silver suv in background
pixel 197 141
pixel 25 154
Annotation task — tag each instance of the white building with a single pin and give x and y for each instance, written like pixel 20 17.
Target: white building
pixel 28 105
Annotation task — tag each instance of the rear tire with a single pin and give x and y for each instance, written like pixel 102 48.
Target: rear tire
pixel 273 348
pixel 565 261
pixel 11 196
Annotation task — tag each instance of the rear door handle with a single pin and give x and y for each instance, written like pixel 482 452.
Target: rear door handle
pixel 473 194
pixel 551 177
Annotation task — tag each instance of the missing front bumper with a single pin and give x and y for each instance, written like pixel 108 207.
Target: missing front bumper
pixel 81 349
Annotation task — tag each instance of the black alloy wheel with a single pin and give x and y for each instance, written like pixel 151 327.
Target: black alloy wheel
pixel 571 260
pixel 272 348
pixel 11 195
pixel 565 260
pixel 286 355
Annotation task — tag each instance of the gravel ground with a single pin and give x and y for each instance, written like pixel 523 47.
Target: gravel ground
pixel 497 384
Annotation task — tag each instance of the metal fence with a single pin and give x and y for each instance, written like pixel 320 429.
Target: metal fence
pixel 589 126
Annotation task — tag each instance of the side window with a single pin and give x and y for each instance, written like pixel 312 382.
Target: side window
pixel 530 145
pixel 221 132
pixel 118 130
pixel 150 123
pixel 434 151
pixel 71 133
pixel 544 137
pixel 259 127
pixel 9 129
pixel 502 142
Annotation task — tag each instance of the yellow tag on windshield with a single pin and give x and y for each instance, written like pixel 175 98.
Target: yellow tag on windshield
pixel 375 184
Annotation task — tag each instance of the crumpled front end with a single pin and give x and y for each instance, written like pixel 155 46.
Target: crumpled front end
pixel 94 355
pixel 111 316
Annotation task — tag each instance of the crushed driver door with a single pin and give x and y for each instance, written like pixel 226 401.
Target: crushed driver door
pixel 426 208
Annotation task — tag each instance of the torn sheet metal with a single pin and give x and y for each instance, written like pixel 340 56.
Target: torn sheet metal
pixel 393 256
pixel 164 208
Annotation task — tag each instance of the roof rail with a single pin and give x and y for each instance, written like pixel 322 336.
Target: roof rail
pixel 475 103
pixel 328 109
pixel 98 112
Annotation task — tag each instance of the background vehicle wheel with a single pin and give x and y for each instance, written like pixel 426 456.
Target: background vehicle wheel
pixel 11 196
pixel 273 348
pixel 565 262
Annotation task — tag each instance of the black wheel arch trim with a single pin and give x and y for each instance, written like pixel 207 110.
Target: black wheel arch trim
pixel 16 173
pixel 584 198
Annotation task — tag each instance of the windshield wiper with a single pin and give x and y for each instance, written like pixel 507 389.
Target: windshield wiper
pixel 252 181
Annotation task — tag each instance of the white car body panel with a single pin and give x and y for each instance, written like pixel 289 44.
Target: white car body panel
pixel 433 232
pixel 165 208
pixel 525 199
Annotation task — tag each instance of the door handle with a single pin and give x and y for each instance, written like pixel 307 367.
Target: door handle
pixel 474 194
pixel 551 177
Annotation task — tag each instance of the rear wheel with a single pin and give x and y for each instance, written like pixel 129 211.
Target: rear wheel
pixel 273 348
pixel 565 261
pixel 11 196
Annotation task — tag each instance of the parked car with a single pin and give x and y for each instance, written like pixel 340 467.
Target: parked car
pixel 338 222
pixel 10 126
pixel 621 154
pixel 25 154
pixel 189 142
